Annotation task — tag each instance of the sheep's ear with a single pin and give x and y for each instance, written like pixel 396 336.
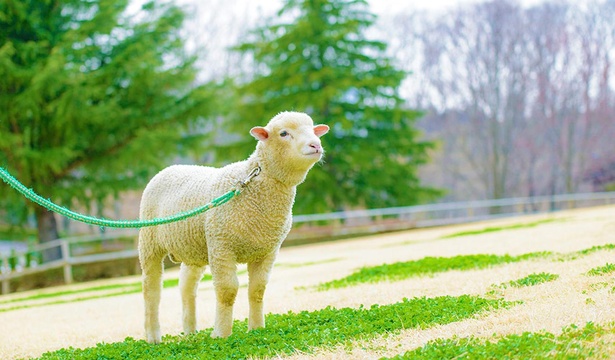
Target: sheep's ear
pixel 259 133
pixel 321 129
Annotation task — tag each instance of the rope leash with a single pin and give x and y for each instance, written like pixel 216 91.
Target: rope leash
pixel 34 197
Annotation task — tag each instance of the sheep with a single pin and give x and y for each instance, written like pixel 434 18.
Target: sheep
pixel 248 229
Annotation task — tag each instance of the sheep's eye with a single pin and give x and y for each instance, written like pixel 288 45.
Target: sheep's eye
pixel 284 133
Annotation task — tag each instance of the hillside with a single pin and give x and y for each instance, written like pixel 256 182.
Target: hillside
pixel 579 288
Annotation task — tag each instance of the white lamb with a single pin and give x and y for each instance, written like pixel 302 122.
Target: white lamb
pixel 248 229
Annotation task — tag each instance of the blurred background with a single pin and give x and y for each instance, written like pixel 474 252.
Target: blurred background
pixel 441 111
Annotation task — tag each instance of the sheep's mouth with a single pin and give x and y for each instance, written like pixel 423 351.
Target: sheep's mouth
pixel 313 152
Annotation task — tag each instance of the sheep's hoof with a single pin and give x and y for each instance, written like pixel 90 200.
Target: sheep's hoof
pixel 216 335
pixel 154 339
pixel 256 323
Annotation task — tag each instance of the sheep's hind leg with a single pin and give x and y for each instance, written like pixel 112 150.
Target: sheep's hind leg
pixel 259 277
pixel 225 285
pixel 189 277
pixel 152 269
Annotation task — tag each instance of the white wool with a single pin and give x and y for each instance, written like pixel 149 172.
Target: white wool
pixel 248 229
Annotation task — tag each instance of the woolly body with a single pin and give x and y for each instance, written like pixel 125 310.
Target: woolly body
pixel 248 229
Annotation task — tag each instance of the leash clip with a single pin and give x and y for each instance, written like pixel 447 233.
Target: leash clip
pixel 252 175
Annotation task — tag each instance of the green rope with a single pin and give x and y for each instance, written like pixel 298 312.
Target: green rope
pixel 32 196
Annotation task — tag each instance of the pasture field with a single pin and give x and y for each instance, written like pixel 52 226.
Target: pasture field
pixel 539 286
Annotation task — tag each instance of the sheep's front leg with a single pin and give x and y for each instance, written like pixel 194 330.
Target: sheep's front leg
pixel 259 277
pixel 189 277
pixel 224 275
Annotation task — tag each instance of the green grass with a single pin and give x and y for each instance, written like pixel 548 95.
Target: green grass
pixel 602 270
pixel 66 301
pixel 532 279
pixel 499 228
pixel 103 291
pixel 576 254
pixel 71 292
pixel 432 265
pixel 596 286
pixel 386 272
pixel 425 266
pixel 290 333
pixel 572 343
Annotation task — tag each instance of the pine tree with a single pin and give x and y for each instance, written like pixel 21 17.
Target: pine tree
pixel 93 100
pixel 323 64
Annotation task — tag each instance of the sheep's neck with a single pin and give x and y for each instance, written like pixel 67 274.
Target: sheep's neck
pixel 284 175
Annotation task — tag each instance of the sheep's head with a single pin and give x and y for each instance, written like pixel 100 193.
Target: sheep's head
pixel 290 144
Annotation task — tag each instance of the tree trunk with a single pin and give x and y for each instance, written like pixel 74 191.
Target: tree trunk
pixel 47 231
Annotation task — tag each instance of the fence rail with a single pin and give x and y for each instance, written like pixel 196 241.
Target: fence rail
pixel 353 222
pixel 76 251
pixel 66 253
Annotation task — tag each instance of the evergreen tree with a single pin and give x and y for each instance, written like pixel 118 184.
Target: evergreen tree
pixel 323 64
pixel 93 100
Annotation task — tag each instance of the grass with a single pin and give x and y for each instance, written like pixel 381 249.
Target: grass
pixel 290 333
pixel 531 280
pixel 304 332
pixel 601 270
pixel 573 343
pixel 68 292
pixel 432 265
pixel 102 291
pixel 588 251
pixel 66 301
pixel 500 228
pixel 54 294
pixel 425 266
pixel 329 328
pixel 386 272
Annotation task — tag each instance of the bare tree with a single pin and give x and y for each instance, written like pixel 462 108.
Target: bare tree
pixel 472 62
pixel 522 97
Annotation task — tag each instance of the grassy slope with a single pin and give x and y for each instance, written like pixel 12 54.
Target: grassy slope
pixel 307 331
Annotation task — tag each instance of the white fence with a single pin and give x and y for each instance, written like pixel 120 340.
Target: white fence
pixel 77 251
pixel 72 251
pixel 344 223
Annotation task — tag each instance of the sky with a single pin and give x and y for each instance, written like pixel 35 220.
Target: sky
pixel 384 6
pixel 217 24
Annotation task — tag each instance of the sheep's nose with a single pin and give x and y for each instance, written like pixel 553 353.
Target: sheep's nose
pixel 316 146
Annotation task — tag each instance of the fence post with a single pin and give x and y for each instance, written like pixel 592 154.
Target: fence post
pixel 6 283
pixel 68 268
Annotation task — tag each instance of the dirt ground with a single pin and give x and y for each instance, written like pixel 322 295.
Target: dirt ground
pixel 550 306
